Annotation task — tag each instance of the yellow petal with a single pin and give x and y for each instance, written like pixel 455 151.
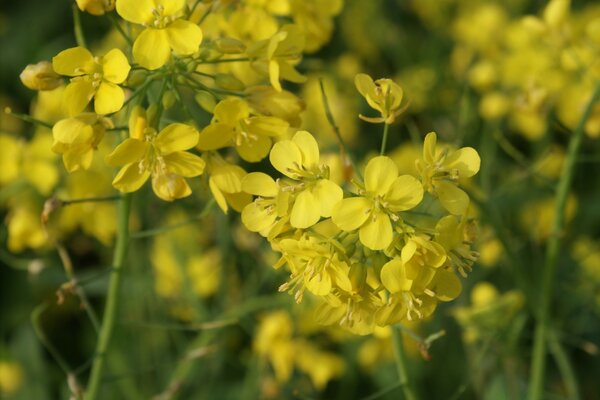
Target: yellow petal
pixel 184 37
pixel 130 178
pixel 254 150
pixel 109 98
pixel 228 178
pixel 446 285
pixel 465 160
pixel 393 276
pixel 218 195
pixel 151 48
pixel 73 62
pixel 328 194
pixel 260 184
pixel 308 147
pixel 215 136
pixel 429 149
pixel 320 284
pixel 184 164
pixel 176 137
pixel 380 173
pixel 72 130
pixel 349 214
pixel 364 84
pixel 376 233
pixel 169 187
pixel 286 158
pixel 267 126
pixel 231 111
pixel 274 75
pixel 77 95
pixel 129 151
pixel 257 218
pixel 405 193
pixel 306 210
pixel 136 11
pixel 170 7
pixel 115 66
pixel 452 198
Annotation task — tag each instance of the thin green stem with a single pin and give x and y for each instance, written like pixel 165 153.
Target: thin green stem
pixel 167 228
pixel 27 118
pixel 343 149
pixel 79 37
pixel 112 300
pixel 226 60
pixel 538 364
pixel 564 366
pixel 400 356
pixel 386 128
pixel 96 199
pixel 119 28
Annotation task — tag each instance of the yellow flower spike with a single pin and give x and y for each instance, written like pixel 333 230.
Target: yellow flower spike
pixel 77 138
pixel 233 125
pixel 383 95
pixel 165 31
pixel 92 77
pixel 162 156
pixel 375 210
pixel 315 194
pixel 441 168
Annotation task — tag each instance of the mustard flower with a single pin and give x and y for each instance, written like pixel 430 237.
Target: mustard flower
pixel 441 169
pixel 278 56
pixel 77 138
pixel 40 76
pixel 383 196
pixel 93 77
pixel 383 95
pixel 164 30
pixel 315 194
pixel 232 125
pixel 161 155
pixel 269 209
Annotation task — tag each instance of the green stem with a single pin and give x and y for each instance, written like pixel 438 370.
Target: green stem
pixel 27 118
pixel 112 300
pixel 538 364
pixel 96 199
pixel 119 28
pixel 79 37
pixel 564 366
pixel 400 356
pixel 386 128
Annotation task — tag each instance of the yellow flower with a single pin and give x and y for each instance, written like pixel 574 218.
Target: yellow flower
pixel 225 183
pixel 315 194
pixel 265 100
pixel 11 377
pixel 232 125
pixel 165 31
pixel 383 95
pixel 40 76
pixel 441 169
pixel 93 77
pixel 278 56
pixel 271 205
pixel 77 138
pixel 25 228
pixel 384 194
pixel 315 19
pixel 161 155
pixel 96 7
pixel 10 149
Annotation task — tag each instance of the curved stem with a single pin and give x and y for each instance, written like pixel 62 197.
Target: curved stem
pixel 538 364
pixel 400 356
pixel 112 300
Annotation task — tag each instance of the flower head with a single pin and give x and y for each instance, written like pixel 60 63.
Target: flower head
pixel 93 77
pixel 383 95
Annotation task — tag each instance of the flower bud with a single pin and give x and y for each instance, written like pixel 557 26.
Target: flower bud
pixel 206 100
pixel 40 76
pixel 229 46
pixel 229 82
pixel 96 7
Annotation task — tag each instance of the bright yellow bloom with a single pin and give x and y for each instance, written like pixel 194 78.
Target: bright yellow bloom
pixel 225 183
pixel 383 196
pixel 315 194
pixel 383 95
pixel 96 7
pixel 269 209
pixel 93 77
pixel 25 227
pixel 441 169
pixel 265 100
pixel 40 76
pixel 232 125
pixel 161 155
pixel 77 138
pixel 165 30
pixel 278 56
